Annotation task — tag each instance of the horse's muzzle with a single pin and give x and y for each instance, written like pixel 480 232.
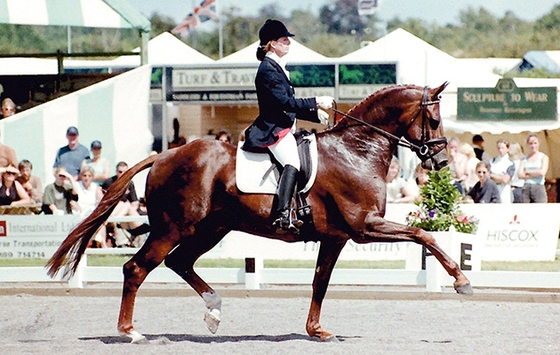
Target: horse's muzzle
pixel 436 162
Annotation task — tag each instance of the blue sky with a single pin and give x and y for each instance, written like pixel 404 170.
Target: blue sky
pixel 440 11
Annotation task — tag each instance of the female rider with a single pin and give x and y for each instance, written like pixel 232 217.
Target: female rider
pixel 278 108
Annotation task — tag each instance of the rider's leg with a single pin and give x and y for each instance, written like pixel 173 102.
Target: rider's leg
pixel 285 151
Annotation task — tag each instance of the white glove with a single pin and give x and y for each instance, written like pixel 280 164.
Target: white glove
pixel 324 102
pixel 323 117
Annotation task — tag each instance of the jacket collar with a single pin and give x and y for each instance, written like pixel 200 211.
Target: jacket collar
pixel 278 63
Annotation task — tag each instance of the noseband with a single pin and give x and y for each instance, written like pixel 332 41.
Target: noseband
pixel 422 150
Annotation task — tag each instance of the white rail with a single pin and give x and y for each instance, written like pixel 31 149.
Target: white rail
pixel 257 277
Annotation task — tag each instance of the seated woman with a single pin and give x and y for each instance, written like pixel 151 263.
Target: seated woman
pixel 12 192
pixel 89 195
pixel 398 189
pixel 485 190
pixel 421 177
pixel 59 195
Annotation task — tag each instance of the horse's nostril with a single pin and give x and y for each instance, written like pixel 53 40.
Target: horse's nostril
pixel 442 164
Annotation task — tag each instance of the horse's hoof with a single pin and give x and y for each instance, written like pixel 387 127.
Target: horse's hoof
pixel 212 319
pixel 331 339
pixel 135 337
pixel 465 289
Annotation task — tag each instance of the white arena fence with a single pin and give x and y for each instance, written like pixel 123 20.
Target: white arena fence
pixel 467 250
pixel 255 278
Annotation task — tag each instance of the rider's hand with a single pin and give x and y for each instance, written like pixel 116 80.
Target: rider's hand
pixel 323 117
pixel 324 102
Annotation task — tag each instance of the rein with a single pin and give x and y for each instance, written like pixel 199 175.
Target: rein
pixel 422 150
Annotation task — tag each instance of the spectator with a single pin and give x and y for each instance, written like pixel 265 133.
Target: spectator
pixel 8 108
pixel 31 183
pixel 516 154
pixel 502 169
pixel 178 140
pixel 421 177
pixel 470 172
pixel 59 195
pixel 398 190
pixel 127 206
pixel 11 191
pixel 7 156
pixel 99 164
pixel 533 169
pixel 73 154
pixel 478 146
pixel 485 190
pixel 89 195
pixel 223 136
pixel 457 163
pixel 408 160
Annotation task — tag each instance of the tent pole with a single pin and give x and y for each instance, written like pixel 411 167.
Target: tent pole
pixel 220 30
pixel 69 38
pixel 145 36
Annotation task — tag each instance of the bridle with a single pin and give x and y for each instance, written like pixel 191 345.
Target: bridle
pixel 423 150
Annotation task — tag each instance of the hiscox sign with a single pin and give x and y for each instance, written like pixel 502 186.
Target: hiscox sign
pixel 507 232
pixel 507 102
pixel 518 231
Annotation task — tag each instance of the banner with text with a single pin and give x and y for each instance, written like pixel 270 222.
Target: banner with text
pixel 506 102
pixel 506 232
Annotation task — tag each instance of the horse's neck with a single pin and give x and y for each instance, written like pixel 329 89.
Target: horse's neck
pixel 357 147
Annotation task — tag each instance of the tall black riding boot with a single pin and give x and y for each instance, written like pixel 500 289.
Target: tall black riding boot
pixel 286 187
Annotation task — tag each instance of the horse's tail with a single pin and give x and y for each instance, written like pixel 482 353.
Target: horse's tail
pixel 70 252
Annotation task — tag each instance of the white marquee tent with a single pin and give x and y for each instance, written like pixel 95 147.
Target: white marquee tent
pixel 298 54
pixel 113 111
pixel 423 64
pixel 165 49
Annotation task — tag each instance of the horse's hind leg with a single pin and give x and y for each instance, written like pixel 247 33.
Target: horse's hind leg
pixel 326 260
pixel 182 259
pixel 135 272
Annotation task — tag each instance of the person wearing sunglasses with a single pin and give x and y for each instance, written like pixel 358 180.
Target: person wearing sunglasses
pixel 485 190
pixel 12 192
pixel 58 195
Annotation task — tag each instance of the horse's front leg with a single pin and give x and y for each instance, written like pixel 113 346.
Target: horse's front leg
pixel 328 255
pixel 379 229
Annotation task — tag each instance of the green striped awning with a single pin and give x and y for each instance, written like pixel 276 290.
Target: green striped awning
pixel 77 13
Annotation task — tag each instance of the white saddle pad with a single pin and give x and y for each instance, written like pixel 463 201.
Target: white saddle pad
pixel 253 172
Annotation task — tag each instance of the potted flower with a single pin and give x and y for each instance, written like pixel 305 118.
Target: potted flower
pixel 439 213
pixel 438 208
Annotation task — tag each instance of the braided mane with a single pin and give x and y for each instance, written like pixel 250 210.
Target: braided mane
pixel 371 104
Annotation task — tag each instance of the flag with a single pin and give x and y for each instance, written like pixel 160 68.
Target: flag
pixel 367 7
pixel 202 13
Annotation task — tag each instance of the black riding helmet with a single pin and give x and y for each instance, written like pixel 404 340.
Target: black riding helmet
pixel 271 30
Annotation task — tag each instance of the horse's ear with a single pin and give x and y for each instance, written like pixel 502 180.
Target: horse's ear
pixel 441 88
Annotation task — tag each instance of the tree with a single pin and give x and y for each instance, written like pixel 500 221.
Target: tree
pixel 161 24
pixel 342 18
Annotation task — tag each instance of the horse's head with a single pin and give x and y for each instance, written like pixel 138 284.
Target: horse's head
pixel 422 127
pixel 407 114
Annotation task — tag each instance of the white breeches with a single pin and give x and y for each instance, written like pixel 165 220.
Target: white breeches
pixel 285 151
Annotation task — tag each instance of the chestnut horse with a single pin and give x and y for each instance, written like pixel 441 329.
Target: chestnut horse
pixel 193 201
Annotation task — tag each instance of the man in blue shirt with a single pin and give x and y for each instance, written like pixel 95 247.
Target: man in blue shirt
pixel 72 155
